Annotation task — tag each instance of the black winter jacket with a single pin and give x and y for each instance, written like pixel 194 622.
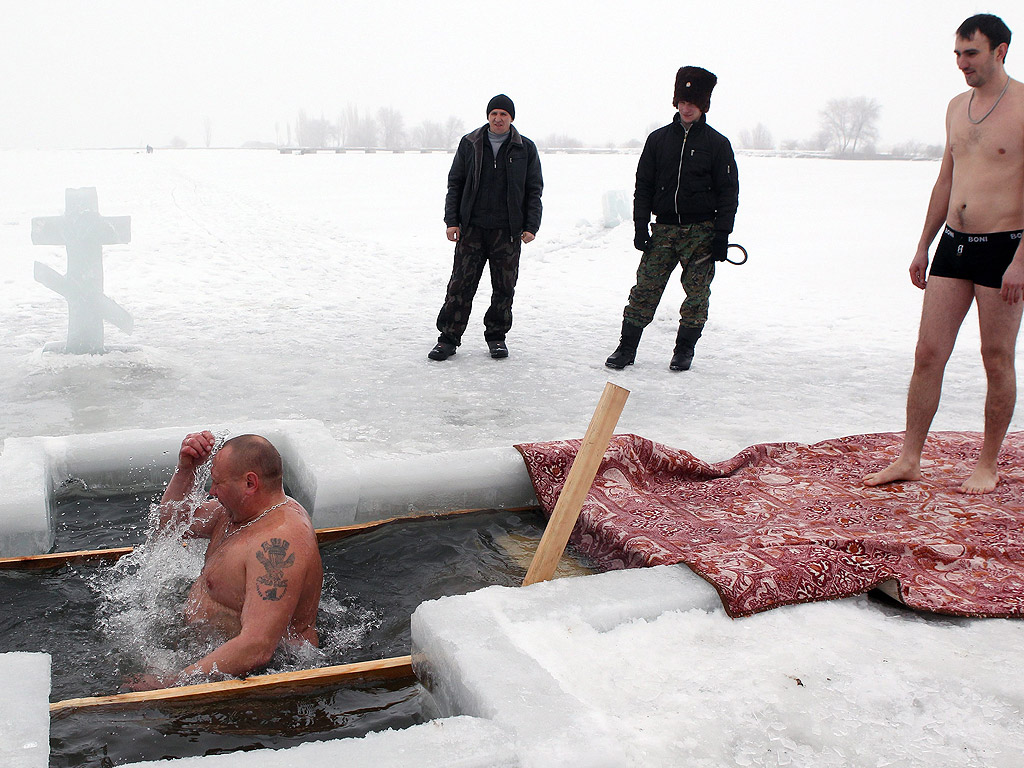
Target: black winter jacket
pixel 525 183
pixel 687 180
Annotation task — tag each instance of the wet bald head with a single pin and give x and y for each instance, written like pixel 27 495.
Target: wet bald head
pixel 253 453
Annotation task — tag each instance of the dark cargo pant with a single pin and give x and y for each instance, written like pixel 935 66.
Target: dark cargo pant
pixel 688 245
pixel 476 247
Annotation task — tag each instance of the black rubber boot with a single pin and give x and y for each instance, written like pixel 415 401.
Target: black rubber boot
pixel 682 355
pixel 625 353
pixel 441 351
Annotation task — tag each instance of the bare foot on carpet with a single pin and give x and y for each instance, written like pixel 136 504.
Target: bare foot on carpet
pixel 900 469
pixel 980 481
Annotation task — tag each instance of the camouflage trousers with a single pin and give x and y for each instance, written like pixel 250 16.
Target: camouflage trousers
pixel 688 245
pixel 475 248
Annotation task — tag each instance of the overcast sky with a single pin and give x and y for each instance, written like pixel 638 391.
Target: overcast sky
pixel 131 72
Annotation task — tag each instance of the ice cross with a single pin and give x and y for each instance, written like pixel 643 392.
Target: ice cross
pixel 84 233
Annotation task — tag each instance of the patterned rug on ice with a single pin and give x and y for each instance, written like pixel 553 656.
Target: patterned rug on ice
pixel 784 523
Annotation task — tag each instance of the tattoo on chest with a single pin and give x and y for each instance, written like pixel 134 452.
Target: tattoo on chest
pixel 275 558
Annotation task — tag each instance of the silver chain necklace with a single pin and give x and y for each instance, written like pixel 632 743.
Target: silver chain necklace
pixel 998 99
pixel 260 516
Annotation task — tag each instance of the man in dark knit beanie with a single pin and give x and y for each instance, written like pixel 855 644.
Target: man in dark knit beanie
pixel 491 209
pixel 686 179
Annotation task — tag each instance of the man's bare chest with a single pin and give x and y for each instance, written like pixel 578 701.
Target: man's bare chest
pixel 223 575
pixel 997 142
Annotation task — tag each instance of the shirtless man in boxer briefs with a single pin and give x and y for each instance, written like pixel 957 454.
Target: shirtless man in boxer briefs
pixel 261 581
pixel 979 197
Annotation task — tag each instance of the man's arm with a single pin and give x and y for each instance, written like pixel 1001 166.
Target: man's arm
pixel 935 217
pixel 456 184
pixel 643 195
pixel 196 449
pixel 1012 289
pixel 274 576
pixel 275 572
pixel 532 207
pixel 726 181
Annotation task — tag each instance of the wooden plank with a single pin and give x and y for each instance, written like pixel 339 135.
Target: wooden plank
pixel 577 484
pixel 57 559
pixel 323 535
pixel 399 667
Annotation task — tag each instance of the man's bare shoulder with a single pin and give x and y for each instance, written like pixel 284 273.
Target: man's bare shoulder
pixel 292 534
pixel 1015 96
pixel 960 98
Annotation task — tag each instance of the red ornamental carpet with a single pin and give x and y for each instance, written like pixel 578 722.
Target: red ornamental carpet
pixel 784 523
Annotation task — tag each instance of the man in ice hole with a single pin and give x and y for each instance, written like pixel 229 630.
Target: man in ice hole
pixel 979 197
pixel 261 581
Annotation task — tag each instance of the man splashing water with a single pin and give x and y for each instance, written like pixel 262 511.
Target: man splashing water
pixel 261 580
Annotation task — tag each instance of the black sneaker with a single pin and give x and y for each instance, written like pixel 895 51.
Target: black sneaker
pixel 441 351
pixel 498 349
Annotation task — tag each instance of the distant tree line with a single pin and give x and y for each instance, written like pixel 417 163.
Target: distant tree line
pixel 848 127
pixel 384 129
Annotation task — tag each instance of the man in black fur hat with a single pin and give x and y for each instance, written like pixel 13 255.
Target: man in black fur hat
pixel 491 209
pixel 687 179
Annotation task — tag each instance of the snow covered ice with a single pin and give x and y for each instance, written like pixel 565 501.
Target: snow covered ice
pixel 268 286
pixel 24 714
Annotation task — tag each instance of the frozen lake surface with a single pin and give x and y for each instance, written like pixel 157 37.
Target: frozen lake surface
pixel 268 286
pixel 282 286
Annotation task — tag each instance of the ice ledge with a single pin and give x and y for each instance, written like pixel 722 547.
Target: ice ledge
pixel 336 488
pixel 466 653
pixel 25 710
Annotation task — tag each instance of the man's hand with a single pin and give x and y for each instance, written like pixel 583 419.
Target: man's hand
pixel 642 236
pixel 720 245
pixel 150 682
pixel 919 268
pixel 195 450
pixel 528 237
pixel 453 233
pixel 1013 282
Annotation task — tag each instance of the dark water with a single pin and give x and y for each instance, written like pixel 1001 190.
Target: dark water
pixel 373 583
pixel 102 739
pixel 85 519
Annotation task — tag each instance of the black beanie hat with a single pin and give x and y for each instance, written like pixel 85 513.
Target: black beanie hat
pixel 501 101
pixel 694 84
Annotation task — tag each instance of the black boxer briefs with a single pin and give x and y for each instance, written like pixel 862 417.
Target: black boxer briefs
pixel 982 259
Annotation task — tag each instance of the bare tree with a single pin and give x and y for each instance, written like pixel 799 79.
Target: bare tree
pixel 392 128
pixel 453 130
pixel 757 138
pixel 311 132
pixel 355 130
pixel 559 141
pixel 429 135
pixel 850 122
pixel 916 150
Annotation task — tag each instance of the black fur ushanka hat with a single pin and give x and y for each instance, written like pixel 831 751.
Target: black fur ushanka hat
pixel 694 84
